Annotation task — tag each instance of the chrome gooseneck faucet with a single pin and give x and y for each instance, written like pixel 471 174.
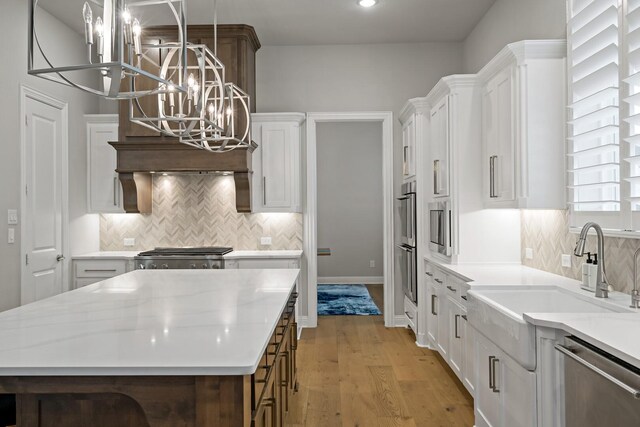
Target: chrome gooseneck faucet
pixel 635 294
pixel 602 287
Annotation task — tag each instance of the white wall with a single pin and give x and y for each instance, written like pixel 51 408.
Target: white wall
pixel 375 77
pixel 509 21
pixel 350 202
pixel 13 73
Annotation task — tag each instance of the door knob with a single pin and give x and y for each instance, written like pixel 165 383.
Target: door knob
pixel 60 258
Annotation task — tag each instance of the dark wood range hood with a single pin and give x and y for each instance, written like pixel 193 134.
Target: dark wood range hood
pixel 142 152
pixel 138 161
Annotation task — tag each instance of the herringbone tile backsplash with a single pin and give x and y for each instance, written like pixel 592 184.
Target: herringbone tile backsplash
pixel 547 233
pixel 198 210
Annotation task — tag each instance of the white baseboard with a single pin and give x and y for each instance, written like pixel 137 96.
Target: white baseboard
pixel 400 321
pixel 352 280
pixel 303 322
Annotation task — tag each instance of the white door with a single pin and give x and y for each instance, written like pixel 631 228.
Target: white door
pixel 44 136
pixel 440 148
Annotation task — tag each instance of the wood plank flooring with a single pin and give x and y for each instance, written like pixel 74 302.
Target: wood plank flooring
pixel 355 372
pixel 377 295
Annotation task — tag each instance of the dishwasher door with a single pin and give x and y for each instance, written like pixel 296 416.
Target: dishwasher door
pixel 600 390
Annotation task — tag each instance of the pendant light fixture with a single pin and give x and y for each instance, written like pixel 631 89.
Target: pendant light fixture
pixel 112 63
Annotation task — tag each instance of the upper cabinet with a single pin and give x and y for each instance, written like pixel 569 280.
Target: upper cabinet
pixel 277 162
pixel 440 146
pixel 104 192
pixel 523 126
pixel 412 118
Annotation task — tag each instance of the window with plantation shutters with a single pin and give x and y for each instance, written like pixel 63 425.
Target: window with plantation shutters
pixel 632 99
pixel 594 131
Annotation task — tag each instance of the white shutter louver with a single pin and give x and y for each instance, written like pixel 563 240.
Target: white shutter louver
pixel 594 151
pixel 633 99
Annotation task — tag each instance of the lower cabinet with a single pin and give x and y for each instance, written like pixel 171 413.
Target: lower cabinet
pixel 505 394
pixel 432 316
pixel 456 339
pixel 89 271
pixel 468 355
pixel 275 381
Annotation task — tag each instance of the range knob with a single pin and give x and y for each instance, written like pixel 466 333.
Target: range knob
pixel 194 266
pixel 141 267
pixel 153 266
pixel 165 266
pixel 205 266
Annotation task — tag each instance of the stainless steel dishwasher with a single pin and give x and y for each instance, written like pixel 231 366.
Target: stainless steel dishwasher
pixel 599 389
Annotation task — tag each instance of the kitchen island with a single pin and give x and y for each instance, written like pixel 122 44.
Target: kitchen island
pixel 156 348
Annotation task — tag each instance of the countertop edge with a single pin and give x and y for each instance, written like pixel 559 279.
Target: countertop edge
pixel 241 254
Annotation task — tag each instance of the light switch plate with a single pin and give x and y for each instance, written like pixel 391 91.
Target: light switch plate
pixel 528 253
pixel 12 216
pixel 566 260
pixel 372 264
pixel 11 235
pixel 129 241
pixel 265 241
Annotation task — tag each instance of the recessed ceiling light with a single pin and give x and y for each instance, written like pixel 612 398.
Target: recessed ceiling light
pixel 367 3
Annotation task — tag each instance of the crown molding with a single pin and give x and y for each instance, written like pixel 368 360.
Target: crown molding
pixel 520 52
pixel 413 106
pixel 451 83
pixel 298 118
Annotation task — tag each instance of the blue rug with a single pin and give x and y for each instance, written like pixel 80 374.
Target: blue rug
pixel 345 300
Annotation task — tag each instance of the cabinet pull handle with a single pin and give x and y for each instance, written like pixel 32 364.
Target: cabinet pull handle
pixel 113 270
pixel 264 190
pixel 452 289
pixel 436 172
pixel 408 315
pixel 493 374
pixel 429 274
pixel 438 281
pixel 456 333
pixel 115 191
pixel 405 160
pixel 464 297
pixel 464 316
pixel 491 378
pixel 433 304
pixel 492 177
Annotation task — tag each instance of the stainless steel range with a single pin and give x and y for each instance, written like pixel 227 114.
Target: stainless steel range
pixel 182 258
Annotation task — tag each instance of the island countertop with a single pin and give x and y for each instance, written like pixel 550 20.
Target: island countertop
pixel 149 322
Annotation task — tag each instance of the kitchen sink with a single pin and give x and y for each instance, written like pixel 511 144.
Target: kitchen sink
pixel 497 312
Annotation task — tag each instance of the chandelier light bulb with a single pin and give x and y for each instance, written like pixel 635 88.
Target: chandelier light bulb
pixel 367 3
pixel 99 27
pixel 191 80
pixel 87 13
pixel 211 109
pixel 137 29
pixel 126 15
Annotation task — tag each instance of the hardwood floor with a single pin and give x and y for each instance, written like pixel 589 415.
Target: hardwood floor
pixel 355 372
pixel 377 295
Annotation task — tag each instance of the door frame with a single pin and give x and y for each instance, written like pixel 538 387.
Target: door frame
pixel 27 92
pixel 310 211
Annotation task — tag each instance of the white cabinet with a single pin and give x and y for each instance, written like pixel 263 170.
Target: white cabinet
pixel 505 395
pixel 104 193
pixel 432 316
pixel 277 162
pixel 411 312
pixel 523 118
pixel 442 345
pixel 468 355
pixel 89 271
pixel 456 338
pixel 409 148
pixel 439 148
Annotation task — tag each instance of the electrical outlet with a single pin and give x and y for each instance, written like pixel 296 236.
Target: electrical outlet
pixel 528 253
pixel 265 241
pixel 372 264
pixel 129 241
pixel 566 260
pixel 11 235
pixel 12 216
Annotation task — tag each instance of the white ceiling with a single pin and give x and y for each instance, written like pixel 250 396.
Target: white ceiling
pixel 308 22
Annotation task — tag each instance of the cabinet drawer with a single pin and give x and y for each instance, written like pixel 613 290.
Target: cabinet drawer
pixel 411 311
pixel 439 278
pixel 100 269
pixel 79 283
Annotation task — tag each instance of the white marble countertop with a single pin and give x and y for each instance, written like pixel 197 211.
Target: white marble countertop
pixel 126 255
pixel 277 254
pixel 615 333
pixel 171 322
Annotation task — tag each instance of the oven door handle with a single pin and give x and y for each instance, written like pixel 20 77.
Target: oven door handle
pixel 403 198
pixel 405 248
pixel 626 387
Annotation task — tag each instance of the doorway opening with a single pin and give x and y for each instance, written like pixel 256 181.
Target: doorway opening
pixel 348 213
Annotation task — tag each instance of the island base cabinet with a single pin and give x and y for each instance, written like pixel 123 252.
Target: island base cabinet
pixel 505 393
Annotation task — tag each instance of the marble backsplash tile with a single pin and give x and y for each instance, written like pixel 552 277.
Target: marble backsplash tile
pixel 198 210
pixel 547 233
